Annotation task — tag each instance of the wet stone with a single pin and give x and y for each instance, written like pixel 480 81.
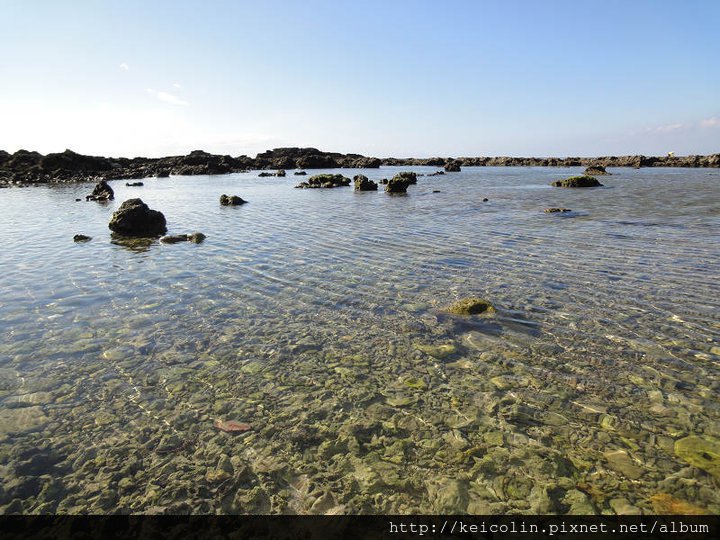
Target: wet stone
pixel 620 461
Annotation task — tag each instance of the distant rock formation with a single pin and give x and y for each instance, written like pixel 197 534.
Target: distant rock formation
pixel 26 167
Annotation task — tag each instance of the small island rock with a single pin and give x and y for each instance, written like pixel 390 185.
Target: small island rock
pixel 231 200
pixel 363 183
pixel 102 192
pixel 325 181
pixel 135 218
pixel 577 182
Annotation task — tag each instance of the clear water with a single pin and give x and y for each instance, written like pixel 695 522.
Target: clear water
pixel 317 317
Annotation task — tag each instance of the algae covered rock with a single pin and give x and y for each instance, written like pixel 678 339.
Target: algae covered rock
pixel 700 452
pixel 135 218
pixel 325 181
pixel 398 184
pixel 470 306
pixel 363 183
pixel 410 176
pixel 577 182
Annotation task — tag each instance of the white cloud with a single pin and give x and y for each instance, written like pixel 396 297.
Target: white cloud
pixel 124 67
pixel 666 129
pixel 177 85
pixel 710 122
pixel 167 97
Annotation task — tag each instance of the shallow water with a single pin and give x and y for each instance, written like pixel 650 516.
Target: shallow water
pixel 316 317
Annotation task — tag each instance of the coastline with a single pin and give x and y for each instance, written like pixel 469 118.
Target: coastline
pixel 25 168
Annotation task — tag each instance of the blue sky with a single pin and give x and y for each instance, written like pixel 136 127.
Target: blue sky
pixel 386 78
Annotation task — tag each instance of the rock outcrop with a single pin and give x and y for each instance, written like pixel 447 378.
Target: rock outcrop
pixel 397 184
pixel 135 218
pixel 452 166
pixel 577 182
pixel 325 181
pixel 595 170
pixel 26 167
pixel 363 183
pixel 231 200
pixel 102 192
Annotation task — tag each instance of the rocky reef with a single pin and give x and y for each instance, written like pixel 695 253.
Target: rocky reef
pixel 27 167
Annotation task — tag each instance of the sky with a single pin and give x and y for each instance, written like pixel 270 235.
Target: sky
pixel 381 78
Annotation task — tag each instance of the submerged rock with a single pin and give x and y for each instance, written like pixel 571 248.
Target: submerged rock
pixel 577 182
pixel 363 183
pixel 595 170
pixel 81 238
pixel 232 426
pixel 470 306
pixel 325 181
pixel 102 192
pixel 195 238
pixel 555 210
pixel 231 200
pixel 700 452
pixel 135 218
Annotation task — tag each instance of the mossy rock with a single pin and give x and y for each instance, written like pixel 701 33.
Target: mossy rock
pixel 700 452
pixel 470 306
pixel 325 181
pixel 577 182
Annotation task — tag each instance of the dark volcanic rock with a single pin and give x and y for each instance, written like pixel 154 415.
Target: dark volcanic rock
pixel 281 173
pixel 163 173
pixel 397 184
pixel 232 200
pixel 595 170
pixel 134 184
pixel 81 238
pixel 195 238
pixel 74 162
pixel 555 210
pixel 577 182
pixel 452 166
pixel 363 183
pixel 325 181
pixel 102 192
pixel 134 218
pixel 299 173
pixel 411 177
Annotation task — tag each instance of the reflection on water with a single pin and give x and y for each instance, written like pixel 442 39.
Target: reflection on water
pixel 316 316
